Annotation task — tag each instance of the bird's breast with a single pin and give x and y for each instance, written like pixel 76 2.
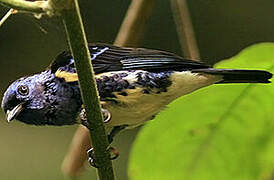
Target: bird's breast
pixel 141 94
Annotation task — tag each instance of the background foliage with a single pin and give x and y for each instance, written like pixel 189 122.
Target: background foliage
pixel 220 132
pixel 222 28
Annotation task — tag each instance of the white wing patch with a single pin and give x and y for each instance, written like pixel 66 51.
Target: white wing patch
pixel 94 55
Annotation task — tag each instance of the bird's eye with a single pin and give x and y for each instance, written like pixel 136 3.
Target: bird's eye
pixel 23 90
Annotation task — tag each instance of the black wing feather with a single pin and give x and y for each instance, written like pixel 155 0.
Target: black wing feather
pixel 107 58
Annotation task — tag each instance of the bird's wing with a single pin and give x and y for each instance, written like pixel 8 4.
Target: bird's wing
pixel 106 58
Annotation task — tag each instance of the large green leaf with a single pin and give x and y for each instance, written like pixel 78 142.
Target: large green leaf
pixel 219 132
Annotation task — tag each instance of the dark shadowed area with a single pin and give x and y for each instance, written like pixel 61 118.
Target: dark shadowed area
pixel 28 45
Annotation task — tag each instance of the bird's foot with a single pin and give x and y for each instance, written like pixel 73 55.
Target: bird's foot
pixel 83 116
pixel 90 153
pixel 114 154
pixel 106 115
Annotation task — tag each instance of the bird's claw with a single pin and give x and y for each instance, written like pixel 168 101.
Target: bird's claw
pixel 114 154
pixel 83 116
pixel 106 115
pixel 90 153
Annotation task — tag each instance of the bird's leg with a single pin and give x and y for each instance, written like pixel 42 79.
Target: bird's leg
pixel 115 130
pixel 83 118
pixel 114 152
pixel 107 117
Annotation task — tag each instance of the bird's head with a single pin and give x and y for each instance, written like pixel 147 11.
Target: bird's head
pixel 40 100
pixel 15 99
pixel 21 97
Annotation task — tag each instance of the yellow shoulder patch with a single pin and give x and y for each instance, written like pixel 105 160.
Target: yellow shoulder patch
pixel 68 76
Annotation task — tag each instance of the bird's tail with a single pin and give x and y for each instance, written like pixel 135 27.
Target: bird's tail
pixel 238 75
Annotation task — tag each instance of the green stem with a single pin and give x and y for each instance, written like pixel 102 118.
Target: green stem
pixel 79 48
pixel 74 161
pixel 27 6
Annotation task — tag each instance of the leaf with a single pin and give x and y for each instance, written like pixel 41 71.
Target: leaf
pixel 218 132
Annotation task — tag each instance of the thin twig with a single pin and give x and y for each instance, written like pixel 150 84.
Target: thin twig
pixel 7 15
pixel 79 48
pixel 185 29
pixel 133 25
pixel 75 160
pixel 27 6
pixel 76 157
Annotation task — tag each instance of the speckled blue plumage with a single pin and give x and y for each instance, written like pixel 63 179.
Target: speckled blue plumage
pixel 51 101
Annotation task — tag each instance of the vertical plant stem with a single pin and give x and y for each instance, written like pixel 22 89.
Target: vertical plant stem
pixel 132 27
pixel 79 48
pixel 76 157
pixel 185 29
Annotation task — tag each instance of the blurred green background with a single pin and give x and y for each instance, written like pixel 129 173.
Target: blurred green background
pixel 219 132
pixel 28 45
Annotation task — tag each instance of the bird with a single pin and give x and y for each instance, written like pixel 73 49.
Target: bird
pixel 134 84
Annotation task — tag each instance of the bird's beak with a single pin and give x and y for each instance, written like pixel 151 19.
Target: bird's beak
pixel 12 114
